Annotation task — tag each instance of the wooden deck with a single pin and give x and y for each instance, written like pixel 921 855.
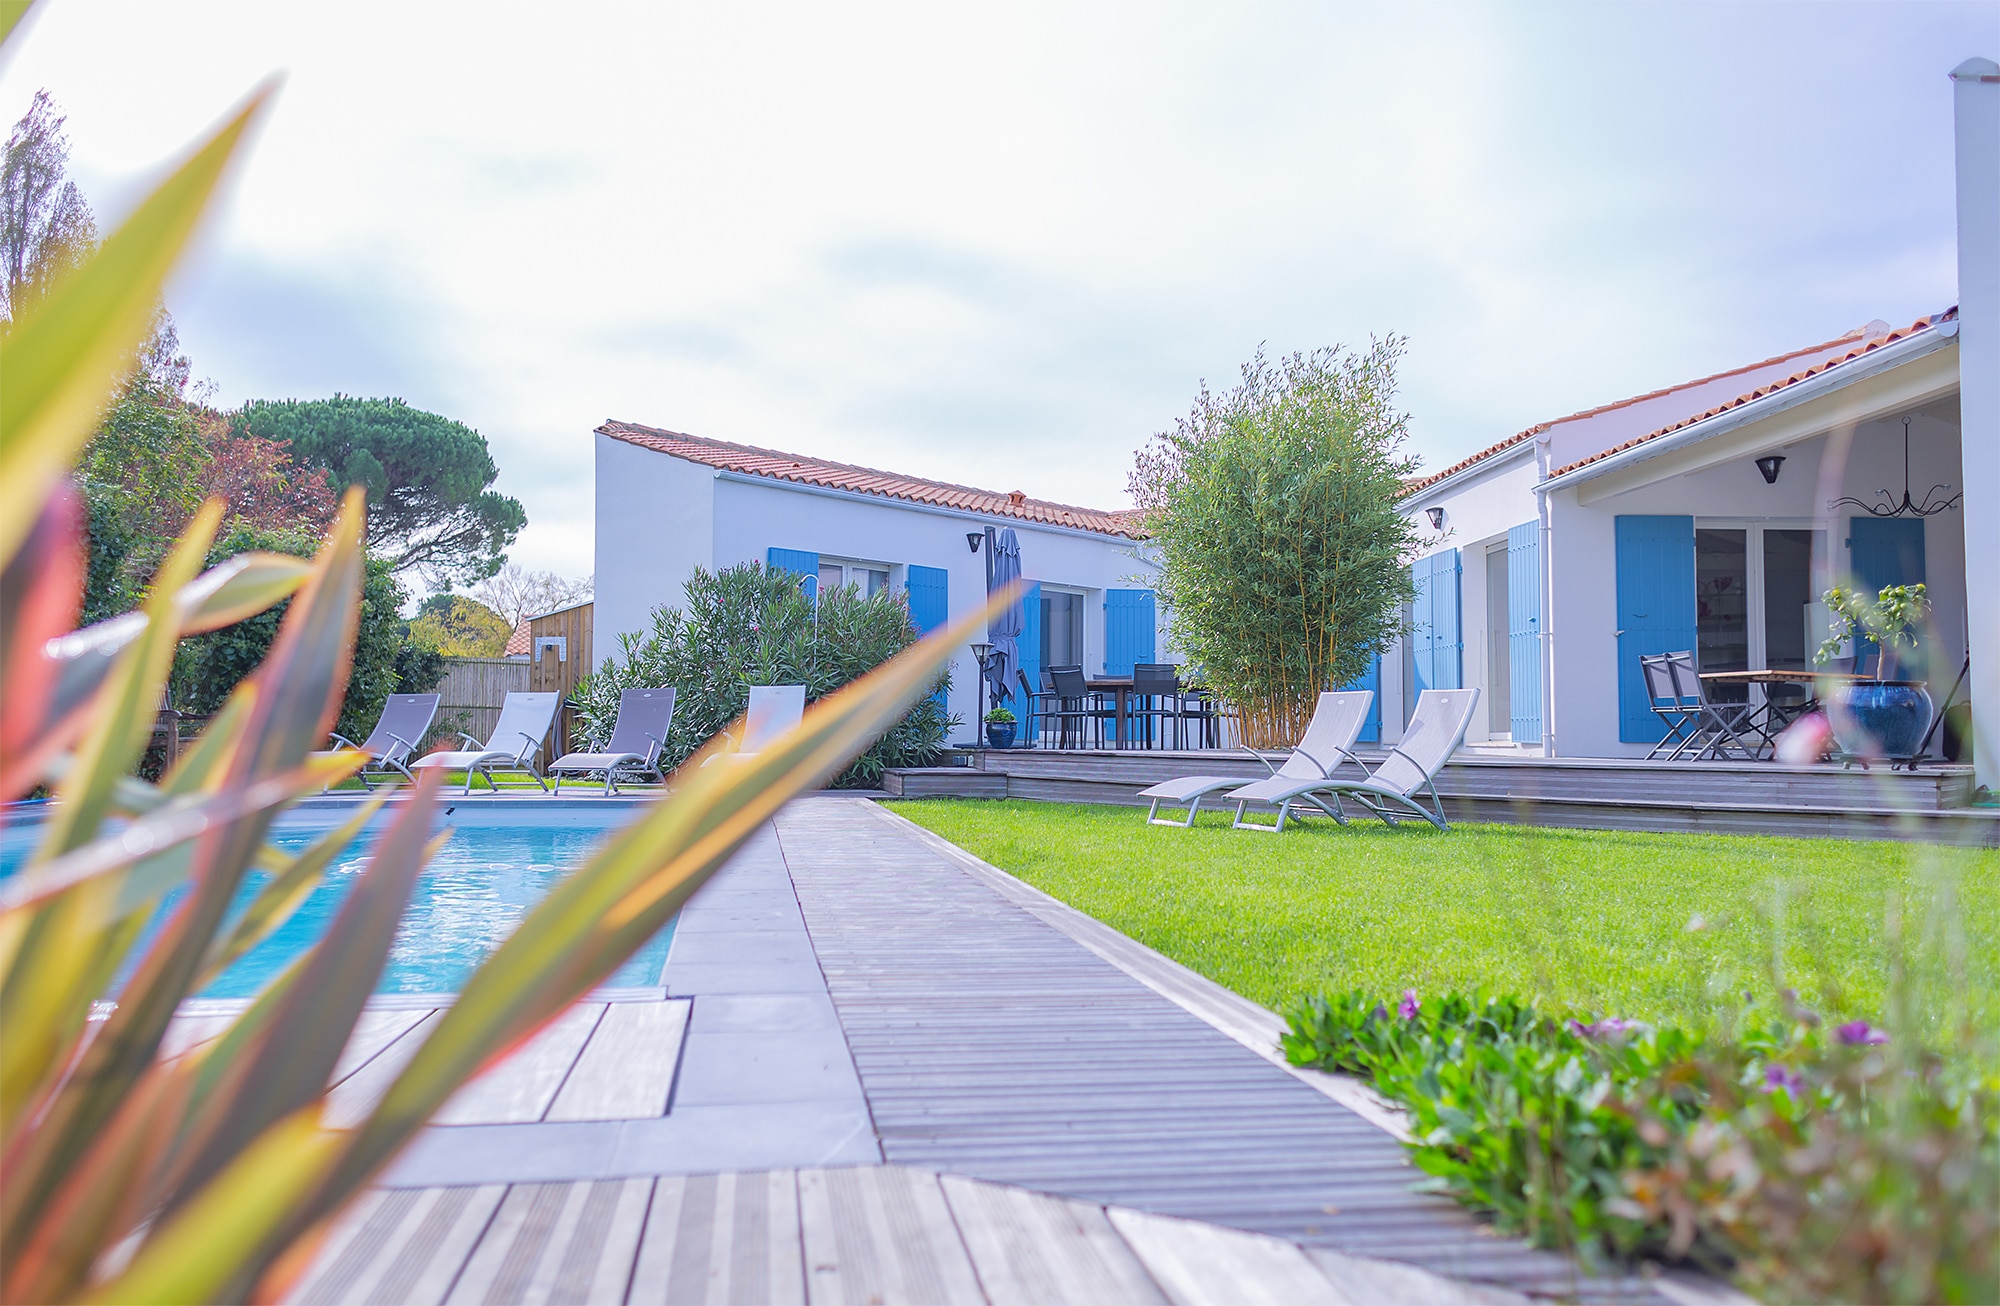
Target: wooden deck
pixel 881 1070
pixel 885 1235
pixel 1585 793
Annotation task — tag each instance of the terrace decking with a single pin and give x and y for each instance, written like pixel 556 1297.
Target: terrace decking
pixel 1582 793
pixel 1065 1116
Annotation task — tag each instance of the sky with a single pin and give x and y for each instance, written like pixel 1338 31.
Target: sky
pixel 1004 245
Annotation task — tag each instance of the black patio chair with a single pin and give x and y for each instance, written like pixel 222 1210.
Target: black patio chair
pixel 1663 696
pixel 1079 710
pixel 1035 705
pixel 1157 697
pixel 1717 730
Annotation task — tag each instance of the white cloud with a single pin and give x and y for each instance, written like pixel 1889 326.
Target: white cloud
pixel 1002 246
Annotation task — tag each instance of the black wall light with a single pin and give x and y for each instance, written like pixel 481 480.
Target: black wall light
pixel 972 539
pixel 1437 518
pixel 1769 465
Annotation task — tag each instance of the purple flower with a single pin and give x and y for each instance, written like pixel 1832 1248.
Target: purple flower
pixel 1380 1013
pixel 1859 1033
pixel 1409 1006
pixel 1777 1077
pixel 1608 1025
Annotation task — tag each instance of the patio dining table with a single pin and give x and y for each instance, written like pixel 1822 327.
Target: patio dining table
pixel 1120 687
pixel 1773 717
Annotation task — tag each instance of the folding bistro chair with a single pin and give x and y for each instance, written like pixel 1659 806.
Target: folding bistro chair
pixel 1336 723
pixel 515 744
pixel 1716 727
pixel 1077 705
pixel 637 739
pixel 1435 731
pixel 1663 696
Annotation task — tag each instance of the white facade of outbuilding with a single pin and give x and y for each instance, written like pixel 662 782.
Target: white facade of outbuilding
pixel 668 503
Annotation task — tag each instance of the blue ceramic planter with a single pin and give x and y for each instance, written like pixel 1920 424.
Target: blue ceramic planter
pixel 1000 734
pixel 1872 720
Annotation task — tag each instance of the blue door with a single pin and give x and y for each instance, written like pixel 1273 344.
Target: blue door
pixel 797 561
pixel 1128 630
pixel 1371 680
pixel 1435 643
pixel 1884 551
pixel 1029 644
pixel 1656 611
pixel 1524 632
pixel 930 596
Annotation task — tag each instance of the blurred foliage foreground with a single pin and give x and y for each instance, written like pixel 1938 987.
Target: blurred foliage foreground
pixel 208 1176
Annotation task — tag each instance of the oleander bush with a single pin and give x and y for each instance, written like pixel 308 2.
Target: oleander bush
pixel 1812 1164
pixel 744 626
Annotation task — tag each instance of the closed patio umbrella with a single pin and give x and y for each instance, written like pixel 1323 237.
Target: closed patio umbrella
pixel 1003 568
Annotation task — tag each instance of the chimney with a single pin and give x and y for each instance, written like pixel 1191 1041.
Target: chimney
pixel 1976 118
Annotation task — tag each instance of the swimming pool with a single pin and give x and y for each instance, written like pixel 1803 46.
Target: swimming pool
pixel 495 867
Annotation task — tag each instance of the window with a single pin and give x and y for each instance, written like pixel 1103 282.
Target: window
pixel 1722 606
pixel 867 578
pixel 1062 629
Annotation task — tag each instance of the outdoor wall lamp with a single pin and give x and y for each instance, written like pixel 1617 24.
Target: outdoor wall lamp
pixel 1437 518
pixel 972 539
pixel 1769 465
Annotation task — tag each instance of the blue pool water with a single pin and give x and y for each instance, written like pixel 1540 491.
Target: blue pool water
pixel 465 904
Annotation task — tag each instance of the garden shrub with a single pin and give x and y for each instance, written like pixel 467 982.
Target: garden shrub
pixel 745 626
pixel 1813 1164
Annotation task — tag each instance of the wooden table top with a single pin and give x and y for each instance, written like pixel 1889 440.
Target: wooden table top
pixel 1769 676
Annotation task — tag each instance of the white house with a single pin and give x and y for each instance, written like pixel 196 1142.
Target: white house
pixel 1708 516
pixel 668 503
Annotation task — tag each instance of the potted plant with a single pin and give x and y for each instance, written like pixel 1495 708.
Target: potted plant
pixel 1000 728
pixel 1882 717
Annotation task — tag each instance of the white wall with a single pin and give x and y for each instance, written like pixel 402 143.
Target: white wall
pixel 751 517
pixel 655 525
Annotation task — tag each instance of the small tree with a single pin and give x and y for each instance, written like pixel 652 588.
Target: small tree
pixel 1283 555
pixel 459 627
pixel 517 594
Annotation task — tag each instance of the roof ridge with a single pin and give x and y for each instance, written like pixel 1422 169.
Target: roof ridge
pixel 1425 482
pixel 1001 503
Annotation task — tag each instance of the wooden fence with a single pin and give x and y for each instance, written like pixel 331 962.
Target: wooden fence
pixel 472 691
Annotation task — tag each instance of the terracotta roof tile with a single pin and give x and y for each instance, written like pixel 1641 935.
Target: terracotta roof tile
pixel 751 460
pixel 1425 482
pixel 517 643
pixel 1867 347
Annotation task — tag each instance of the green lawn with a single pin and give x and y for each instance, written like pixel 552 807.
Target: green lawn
pixel 1652 926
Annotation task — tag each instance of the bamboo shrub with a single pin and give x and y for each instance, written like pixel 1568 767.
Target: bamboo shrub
pixel 1273 510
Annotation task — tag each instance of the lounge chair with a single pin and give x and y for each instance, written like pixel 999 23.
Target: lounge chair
pixel 1435 731
pixel 637 739
pixel 773 710
pixel 398 733
pixel 515 744
pixel 1336 723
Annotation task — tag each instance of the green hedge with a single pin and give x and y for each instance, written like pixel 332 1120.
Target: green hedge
pixel 745 626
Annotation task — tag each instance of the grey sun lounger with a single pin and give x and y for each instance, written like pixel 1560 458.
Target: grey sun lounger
pixel 1336 723
pixel 516 742
pixel 1435 731
pixel 637 739
pixel 773 710
pixel 398 734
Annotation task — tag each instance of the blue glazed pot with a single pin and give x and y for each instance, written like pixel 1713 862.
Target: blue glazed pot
pixel 1871 720
pixel 1000 734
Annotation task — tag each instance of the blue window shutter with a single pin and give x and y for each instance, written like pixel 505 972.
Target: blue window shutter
pixel 930 596
pixel 1371 680
pixel 797 561
pixel 1524 632
pixel 1883 552
pixel 1656 611
pixel 1437 651
pixel 1128 630
pixel 1029 644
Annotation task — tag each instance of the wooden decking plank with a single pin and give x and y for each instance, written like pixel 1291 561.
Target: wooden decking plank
pixel 355 1094
pixel 626 1069
pixel 882 1236
pixel 727 1238
pixel 1202 1264
pixel 558 1243
pixel 186 1033
pixel 1031 1248
pixel 520 1089
pixel 399 1246
pixel 373 1031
